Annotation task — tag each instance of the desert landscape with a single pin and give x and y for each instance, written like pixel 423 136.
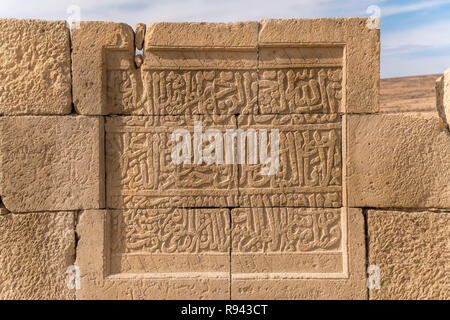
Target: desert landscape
pixel 408 94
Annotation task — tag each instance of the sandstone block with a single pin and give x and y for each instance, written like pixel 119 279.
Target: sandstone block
pixel 35 251
pixel 412 251
pixel 190 68
pixel 52 163
pixel 3 210
pixel 34 67
pixel 398 160
pixel 203 35
pixel 212 68
pixel 310 55
pixel 142 172
pixel 96 46
pixel 139 37
pixel 297 253
pixel 154 254
pixel 287 240
pixel 187 68
pixel 443 97
pixel 305 171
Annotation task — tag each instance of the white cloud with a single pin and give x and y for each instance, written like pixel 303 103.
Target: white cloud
pixel 409 39
pixel 424 37
pixel 185 10
pixel 420 40
pixel 392 10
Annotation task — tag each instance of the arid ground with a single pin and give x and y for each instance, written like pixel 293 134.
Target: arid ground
pixel 408 94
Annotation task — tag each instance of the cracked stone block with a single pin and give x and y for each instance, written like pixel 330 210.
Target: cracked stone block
pixel 411 249
pixel 342 74
pixel 139 37
pixel 52 163
pixel 154 254
pixel 186 68
pixel 90 60
pixel 34 67
pixel 298 253
pixel 398 161
pixel 35 251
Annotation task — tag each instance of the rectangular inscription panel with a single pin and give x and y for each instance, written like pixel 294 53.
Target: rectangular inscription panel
pixel 309 170
pixel 196 229
pixel 170 240
pixel 141 173
pixel 301 80
pixel 180 81
pixel 295 242
pixel 178 92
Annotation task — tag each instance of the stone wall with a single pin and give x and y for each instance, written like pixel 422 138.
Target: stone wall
pixel 358 207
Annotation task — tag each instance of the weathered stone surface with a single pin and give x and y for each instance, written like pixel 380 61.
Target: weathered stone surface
pixel 203 35
pixel 279 40
pixel 295 253
pixel 300 80
pixel 307 169
pixel 412 251
pixel 189 68
pixel 139 37
pixel 52 163
pixel 287 240
pixel 128 254
pixel 211 68
pixel 199 227
pixel 35 251
pixel 96 46
pixel 170 240
pixel 34 67
pixel 179 91
pixel 398 160
pixel 443 97
pixel 141 172
pixel 3 210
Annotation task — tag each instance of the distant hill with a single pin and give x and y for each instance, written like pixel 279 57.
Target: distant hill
pixel 408 94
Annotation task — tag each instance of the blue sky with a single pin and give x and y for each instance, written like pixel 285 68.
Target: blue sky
pixel 415 35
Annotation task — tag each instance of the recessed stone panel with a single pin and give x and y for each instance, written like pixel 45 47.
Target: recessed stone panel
pixel 297 253
pixel 170 240
pixel 348 49
pixel 141 172
pixel 306 170
pixel 231 163
pixel 288 240
pixel 300 80
pixel 154 254
pixel 186 68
